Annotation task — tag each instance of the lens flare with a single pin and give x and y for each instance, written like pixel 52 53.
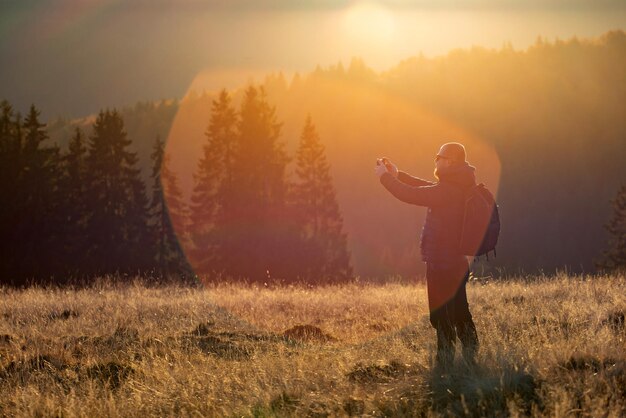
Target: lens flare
pixel 357 122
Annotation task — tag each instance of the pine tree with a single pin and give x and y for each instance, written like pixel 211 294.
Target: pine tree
pixel 178 213
pixel 615 256
pixel 213 176
pixel 74 208
pixel 39 226
pixel 158 208
pixel 117 225
pixel 314 197
pixel 169 215
pixel 256 238
pixel 10 157
pixel 75 166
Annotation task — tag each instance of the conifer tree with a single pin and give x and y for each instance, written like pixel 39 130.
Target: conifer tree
pixel 212 177
pixel 117 225
pixel 158 208
pixel 39 225
pixel 178 214
pixel 314 198
pixel 74 207
pixel 169 215
pixel 257 239
pixel 615 256
pixel 75 167
pixel 10 156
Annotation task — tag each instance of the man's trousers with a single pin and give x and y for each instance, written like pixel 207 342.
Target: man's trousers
pixel 449 310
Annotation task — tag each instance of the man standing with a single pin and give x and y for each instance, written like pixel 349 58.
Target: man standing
pixel 447 269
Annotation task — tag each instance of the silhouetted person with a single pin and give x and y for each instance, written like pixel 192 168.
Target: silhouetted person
pixel 447 269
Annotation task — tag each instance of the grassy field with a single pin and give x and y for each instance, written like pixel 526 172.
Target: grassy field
pixel 550 346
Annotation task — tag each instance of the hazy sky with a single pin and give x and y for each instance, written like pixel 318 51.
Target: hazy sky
pixel 73 57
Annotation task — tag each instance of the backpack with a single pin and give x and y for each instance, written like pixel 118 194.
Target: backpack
pixel 481 222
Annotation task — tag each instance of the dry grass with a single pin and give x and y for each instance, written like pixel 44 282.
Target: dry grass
pixel 551 346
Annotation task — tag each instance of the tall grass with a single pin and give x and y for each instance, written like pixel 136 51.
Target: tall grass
pixel 549 346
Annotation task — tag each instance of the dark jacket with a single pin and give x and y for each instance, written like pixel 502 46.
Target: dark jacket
pixel 446 203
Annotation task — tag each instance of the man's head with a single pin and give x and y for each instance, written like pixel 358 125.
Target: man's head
pixel 449 154
pixel 453 152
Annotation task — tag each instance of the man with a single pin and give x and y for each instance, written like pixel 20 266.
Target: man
pixel 447 269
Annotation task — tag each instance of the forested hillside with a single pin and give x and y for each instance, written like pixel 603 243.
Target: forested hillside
pixel 545 127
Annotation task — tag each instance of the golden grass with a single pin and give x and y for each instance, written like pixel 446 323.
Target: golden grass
pixel 549 347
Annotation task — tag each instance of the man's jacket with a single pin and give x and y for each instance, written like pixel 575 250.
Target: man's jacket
pixel 445 201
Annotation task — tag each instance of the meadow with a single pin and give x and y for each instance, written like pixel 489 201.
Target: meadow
pixel 550 346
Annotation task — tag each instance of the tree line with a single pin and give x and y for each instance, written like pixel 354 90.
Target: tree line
pixel 553 112
pixel 85 211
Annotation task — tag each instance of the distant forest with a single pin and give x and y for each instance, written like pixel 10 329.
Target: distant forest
pixel 72 215
pixel 544 126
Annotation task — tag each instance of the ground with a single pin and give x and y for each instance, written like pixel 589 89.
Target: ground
pixel 550 346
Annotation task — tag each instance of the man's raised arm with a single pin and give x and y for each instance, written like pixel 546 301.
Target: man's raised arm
pixel 429 194
pixel 406 178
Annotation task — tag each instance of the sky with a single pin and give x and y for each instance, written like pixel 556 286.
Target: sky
pixel 74 57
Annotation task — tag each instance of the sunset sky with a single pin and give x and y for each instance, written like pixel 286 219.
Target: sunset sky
pixel 73 57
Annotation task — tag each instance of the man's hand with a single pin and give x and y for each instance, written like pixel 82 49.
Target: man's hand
pixel 380 169
pixel 391 167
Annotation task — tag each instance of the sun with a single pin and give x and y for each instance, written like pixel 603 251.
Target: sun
pixel 369 22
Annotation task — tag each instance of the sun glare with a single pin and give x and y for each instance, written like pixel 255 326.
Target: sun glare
pixel 369 22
